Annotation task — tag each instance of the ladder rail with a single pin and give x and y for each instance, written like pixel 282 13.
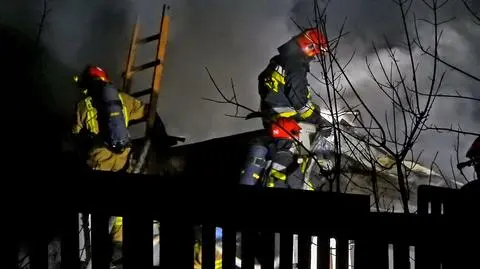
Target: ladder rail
pixel 128 74
pixel 158 69
pixel 156 83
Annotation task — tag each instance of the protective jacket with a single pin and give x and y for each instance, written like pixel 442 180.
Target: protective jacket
pixel 284 90
pixel 285 93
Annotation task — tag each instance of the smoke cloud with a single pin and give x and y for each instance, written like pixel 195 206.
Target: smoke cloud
pixel 235 40
pixel 373 22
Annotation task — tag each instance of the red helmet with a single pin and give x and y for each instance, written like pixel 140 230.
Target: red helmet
pixel 285 128
pixel 91 74
pixel 312 42
pixel 97 73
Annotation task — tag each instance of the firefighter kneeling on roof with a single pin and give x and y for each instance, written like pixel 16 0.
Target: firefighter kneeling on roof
pixel 285 100
pixel 101 126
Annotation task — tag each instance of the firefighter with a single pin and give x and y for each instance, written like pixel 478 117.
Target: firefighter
pixel 101 125
pixel 102 120
pixel 285 94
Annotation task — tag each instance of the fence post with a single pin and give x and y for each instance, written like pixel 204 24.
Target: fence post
pixel 137 241
pixel 176 244
pixel 70 241
pixel 101 241
pixel 427 252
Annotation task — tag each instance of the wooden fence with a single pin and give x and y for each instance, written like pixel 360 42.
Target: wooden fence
pixel 439 235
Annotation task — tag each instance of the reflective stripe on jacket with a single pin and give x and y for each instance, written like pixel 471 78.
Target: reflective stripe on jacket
pixel 285 93
pixel 86 114
pixel 92 122
pixel 98 156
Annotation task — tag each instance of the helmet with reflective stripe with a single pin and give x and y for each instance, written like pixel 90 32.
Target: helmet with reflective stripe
pixel 312 42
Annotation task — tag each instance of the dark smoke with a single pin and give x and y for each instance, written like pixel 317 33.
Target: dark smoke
pixel 234 40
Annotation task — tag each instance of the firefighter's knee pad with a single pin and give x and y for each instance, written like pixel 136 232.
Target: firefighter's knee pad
pixel 255 164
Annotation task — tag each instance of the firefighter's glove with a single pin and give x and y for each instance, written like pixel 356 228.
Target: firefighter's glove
pixel 318 120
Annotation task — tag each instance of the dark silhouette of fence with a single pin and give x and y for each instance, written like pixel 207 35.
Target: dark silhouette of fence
pixel 439 235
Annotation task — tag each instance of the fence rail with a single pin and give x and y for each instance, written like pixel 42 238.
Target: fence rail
pixel 438 235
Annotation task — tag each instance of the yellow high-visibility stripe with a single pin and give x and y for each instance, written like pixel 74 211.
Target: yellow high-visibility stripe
pixel 279 175
pixel 273 83
pixel 92 122
pixel 118 221
pixel 278 77
pixel 125 110
pixel 275 80
pixel 306 114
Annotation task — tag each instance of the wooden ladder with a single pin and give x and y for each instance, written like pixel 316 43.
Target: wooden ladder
pixel 154 90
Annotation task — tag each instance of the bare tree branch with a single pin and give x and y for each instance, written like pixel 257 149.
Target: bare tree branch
pixel 452 96
pixel 443 129
pixel 472 12
pixel 450 65
pixel 41 25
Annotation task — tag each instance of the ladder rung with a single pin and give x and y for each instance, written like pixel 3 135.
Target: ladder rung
pixel 142 93
pixel 147 65
pixel 148 39
pixel 135 122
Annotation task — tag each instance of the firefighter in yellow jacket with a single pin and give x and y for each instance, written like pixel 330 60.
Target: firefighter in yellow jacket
pixel 102 120
pixel 101 126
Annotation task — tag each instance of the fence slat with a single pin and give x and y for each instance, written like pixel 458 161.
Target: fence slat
pixel 229 248
pixel 371 254
pixel 423 200
pixel 248 247
pixel 342 253
pixel 70 242
pixel 176 245
pixel 304 251
pixel 379 258
pixel 426 257
pixel 401 256
pixel 286 250
pixel 11 233
pixel 267 250
pixel 38 253
pixel 208 246
pixel 323 252
pixel 101 241
pixel 436 207
pixel 10 255
pixel 137 241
